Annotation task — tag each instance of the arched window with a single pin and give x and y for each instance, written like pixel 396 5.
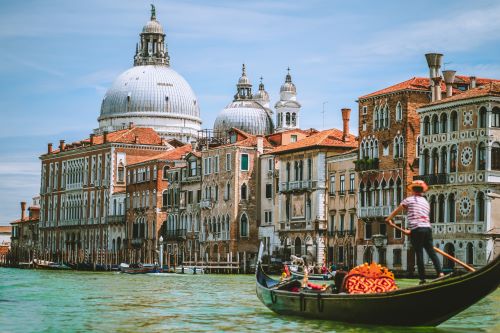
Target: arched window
pixel 227 191
pixel 444 158
pixel 287 209
pixel 294 119
pixel 244 225
pixel 362 195
pixel 375 148
pixel 495 117
pixel 385 117
pixel 480 207
pixel 121 173
pixel 298 247
pixel 435 161
pixel 469 258
pixel 481 156
pixel 399 191
pixel 426 161
pixel 362 150
pixel 482 118
pixel 495 156
pixel 287 171
pixel 397 151
pixel 296 170
pixel 444 122
pixel 375 124
pixel 165 198
pixel 427 126
pixel 377 194
pixel 453 158
pixel 370 154
pixel 399 112
pixel 441 206
pixel 432 206
pixel 369 193
pixel 451 207
pixel 435 124
pixel 454 121
pixel 287 118
pixel 244 193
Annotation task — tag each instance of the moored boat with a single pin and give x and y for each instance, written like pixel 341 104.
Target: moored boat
pixel 45 264
pixel 189 270
pixel 139 269
pixel 425 305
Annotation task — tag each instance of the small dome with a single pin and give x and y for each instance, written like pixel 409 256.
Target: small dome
pixel 154 27
pixel 288 86
pixel 248 116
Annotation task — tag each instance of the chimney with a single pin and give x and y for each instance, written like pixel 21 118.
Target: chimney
pixel 92 139
pixel 449 77
pixel 49 148
pixel 260 144
pixel 105 137
pixel 472 82
pixel 193 145
pixel 346 113
pixel 437 88
pixel 61 145
pixel 136 139
pixel 434 61
pixel 23 210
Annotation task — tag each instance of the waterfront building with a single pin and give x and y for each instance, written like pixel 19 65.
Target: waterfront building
pixel 82 193
pixel 302 199
pixel 152 94
pixel 460 160
pixel 24 234
pixel 342 184
pixel 389 146
pixel 151 191
pixel 229 198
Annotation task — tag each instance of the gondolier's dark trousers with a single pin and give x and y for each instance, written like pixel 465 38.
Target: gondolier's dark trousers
pixel 421 238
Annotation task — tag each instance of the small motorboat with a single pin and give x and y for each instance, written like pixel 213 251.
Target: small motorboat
pixel 139 269
pixel 45 264
pixel 189 270
pixel 424 305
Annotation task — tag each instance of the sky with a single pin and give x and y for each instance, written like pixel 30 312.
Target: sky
pixel 57 59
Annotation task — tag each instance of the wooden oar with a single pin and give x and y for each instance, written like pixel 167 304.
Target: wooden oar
pixel 444 254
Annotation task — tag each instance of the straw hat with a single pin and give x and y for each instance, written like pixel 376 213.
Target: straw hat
pixel 418 183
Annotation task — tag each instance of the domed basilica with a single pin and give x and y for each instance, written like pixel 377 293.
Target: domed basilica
pixel 151 94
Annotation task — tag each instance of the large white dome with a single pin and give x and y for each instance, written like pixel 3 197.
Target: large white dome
pixel 151 96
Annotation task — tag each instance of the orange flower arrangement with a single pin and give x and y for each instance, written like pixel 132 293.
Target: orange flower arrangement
pixel 366 279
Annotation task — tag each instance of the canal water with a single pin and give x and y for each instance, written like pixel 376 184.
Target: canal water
pixel 68 301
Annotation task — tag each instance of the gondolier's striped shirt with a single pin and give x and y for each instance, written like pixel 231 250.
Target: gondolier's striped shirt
pixel 417 211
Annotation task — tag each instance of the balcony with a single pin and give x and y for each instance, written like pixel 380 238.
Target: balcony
pixel 298 185
pixel 366 164
pixel 376 212
pixel 176 234
pixel 436 179
pixel 115 219
pixel 458 228
pixel 206 204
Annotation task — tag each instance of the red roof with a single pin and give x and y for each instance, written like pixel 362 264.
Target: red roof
pixel 327 138
pixel 174 154
pixel 490 89
pixel 136 135
pixel 423 84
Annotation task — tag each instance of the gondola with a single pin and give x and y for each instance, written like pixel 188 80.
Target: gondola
pixel 317 277
pixel 425 305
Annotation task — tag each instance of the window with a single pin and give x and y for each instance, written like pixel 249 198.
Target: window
pixel 365 109
pixel 270 165
pixel 481 160
pixel 309 168
pixel 244 162
pixel 427 126
pixel 352 222
pixel 368 231
pixel 287 171
pixel 207 166
pixel 495 117
pixel 216 164
pixel 341 222
pixel 293 138
pixel 444 122
pixel 351 182
pixel 435 124
pixel 244 192
pixel 454 121
pixel 190 197
pixel 192 168
pixel 198 196
pixel 396 254
pixel 269 191
pixel 332 184
pixel 383 229
pixel 165 198
pixel 495 156
pixel 480 207
pixel 453 158
pixel 385 149
pixel 121 173
pixel 268 217
pixel 165 172
pixel 244 225
pixel 451 207
pixel 399 112
pixel 227 192
pixel 397 233
pixel 228 162
pixel 216 194
pixel 342 185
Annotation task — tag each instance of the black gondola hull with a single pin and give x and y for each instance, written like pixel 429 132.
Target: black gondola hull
pixel 427 305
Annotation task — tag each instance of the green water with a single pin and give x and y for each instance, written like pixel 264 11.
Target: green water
pixel 67 301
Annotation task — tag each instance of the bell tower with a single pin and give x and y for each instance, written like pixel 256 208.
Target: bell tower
pixel 287 108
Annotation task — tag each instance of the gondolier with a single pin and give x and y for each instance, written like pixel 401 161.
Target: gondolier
pixel 420 232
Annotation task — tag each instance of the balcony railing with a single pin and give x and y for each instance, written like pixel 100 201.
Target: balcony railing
pixel 366 164
pixel 115 219
pixel 298 185
pixel 175 234
pixel 374 212
pixel 458 228
pixel 435 179
pixel 206 203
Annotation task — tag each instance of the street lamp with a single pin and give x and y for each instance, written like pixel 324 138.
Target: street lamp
pixel 161 252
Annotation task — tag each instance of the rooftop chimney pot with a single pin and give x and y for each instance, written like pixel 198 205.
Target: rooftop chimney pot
pixel 49 148
pixel 62 146
pixel 260 144
pixel 346 113
pixel 105 137
pixel 92 138
pixel 23 210
pixel 449 77
pixel 434 61
pixel 472 82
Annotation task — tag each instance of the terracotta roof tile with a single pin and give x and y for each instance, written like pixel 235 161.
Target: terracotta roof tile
pixel 489 89
pixel 174 154
pixel 326 138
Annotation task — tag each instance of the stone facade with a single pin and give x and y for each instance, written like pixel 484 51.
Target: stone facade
pixel 342 183
pixel 460 161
